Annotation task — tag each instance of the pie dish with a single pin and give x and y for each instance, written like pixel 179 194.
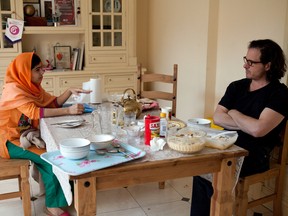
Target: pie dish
pixel 187 140
pixel 176 124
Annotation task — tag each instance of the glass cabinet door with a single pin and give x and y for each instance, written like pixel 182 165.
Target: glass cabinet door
pixel 107 23
pixel 6 11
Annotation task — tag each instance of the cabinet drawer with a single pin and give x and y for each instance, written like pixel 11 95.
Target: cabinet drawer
pixel 47 83
pixel 73 82
pixel 118 80
pixel 118 90
pixel 96 59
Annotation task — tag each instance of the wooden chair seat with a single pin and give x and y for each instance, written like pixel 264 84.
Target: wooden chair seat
pixel 276 172
pixel 17 169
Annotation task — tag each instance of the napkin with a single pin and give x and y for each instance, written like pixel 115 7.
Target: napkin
pixel 157 144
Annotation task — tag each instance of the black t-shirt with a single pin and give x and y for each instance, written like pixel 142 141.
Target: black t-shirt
pixel 273 96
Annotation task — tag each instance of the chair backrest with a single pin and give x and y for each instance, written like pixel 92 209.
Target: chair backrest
pixel 277 172
pixel 282 159
pixel 149 77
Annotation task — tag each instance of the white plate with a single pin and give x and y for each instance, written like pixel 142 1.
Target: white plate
pixel 70 123
pixel 176 124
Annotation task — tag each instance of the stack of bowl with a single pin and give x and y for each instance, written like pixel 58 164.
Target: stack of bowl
pixel 75 148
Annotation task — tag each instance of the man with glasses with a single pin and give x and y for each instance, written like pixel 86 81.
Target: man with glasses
pixel 257 108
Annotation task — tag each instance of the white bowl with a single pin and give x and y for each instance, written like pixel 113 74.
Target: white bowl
pixel 101 141
pixel 199 122
pixel 74 148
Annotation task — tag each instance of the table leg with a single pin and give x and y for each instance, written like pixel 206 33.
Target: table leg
pixel 85 196
pixel 223 183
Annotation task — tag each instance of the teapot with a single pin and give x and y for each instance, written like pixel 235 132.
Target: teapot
pixel 130 104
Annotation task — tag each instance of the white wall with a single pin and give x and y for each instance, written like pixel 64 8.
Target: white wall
pixel 177 33
pixel 207 39
pixel 239 23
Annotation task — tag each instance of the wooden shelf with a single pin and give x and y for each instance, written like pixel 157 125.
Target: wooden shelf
pixel 53 30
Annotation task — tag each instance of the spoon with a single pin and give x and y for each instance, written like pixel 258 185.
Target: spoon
pixel 223 133
pixel 104 152
pixel 116 145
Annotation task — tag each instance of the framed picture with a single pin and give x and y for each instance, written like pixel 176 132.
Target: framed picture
pixel 47 9
pixel 62 56
pixel 65 11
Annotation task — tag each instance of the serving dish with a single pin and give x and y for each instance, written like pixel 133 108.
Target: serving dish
pixel 187 140
pixel 92 162
pixel 221 140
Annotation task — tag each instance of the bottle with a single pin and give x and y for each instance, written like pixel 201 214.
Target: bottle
pixel 163 124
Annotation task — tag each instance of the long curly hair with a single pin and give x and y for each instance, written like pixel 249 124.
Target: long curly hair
pixel 271 52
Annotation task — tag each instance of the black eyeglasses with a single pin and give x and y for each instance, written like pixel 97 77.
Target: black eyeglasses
pixel 250 62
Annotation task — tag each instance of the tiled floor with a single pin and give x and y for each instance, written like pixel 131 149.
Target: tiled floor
pixel 140 200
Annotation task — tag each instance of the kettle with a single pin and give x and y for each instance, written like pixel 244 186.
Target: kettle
pixel 130 103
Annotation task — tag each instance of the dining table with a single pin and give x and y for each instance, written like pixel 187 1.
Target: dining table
pixel 222 166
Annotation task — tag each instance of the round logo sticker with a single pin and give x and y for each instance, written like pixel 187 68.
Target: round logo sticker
pixel 14 30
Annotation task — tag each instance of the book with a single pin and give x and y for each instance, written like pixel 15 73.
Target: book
pixel 81 56
pixel 75 55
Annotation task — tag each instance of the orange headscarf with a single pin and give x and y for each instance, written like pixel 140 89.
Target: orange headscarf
pixel 18 90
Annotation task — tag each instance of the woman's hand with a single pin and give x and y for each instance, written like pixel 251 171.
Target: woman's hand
pixel 76 109
pixel 77 91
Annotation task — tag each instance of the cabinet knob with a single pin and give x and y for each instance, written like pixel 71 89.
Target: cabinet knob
pixel 65 82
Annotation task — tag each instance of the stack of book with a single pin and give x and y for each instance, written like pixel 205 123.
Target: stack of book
pixel 77 57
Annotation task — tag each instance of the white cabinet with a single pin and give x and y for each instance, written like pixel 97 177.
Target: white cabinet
pixel 57 82
pixel 107 28
pixel 111 33
pixel 8 50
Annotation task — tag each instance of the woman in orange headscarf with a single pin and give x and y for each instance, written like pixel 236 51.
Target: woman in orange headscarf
pixel 22 104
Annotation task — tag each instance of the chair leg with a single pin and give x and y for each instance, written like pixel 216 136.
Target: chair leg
pixel 277 203
pixel 161 185
pixel 241 199
pixel 25 190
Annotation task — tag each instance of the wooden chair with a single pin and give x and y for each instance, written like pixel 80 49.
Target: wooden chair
pixel 277 171
pixel 17 168
pixel 144 92
pixel 147 77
